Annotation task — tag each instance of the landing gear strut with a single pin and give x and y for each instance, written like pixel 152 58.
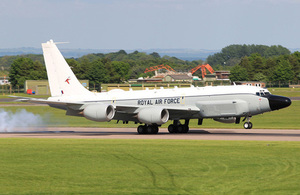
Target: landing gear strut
pixel 147 129
pixel 176 127
pixel 248 124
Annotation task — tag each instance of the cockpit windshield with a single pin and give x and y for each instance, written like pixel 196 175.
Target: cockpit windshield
pixel 263 93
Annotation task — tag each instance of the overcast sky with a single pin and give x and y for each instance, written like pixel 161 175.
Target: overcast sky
pixel 149 24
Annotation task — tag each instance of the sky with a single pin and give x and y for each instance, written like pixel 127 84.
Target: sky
pixel 149 24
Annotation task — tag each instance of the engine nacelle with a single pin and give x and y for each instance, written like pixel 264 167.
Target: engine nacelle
pixel 153 116
pixel 226 120
pixel 99 112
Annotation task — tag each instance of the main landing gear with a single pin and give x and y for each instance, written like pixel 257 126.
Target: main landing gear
pixel 147 129
pixel 248 124
pixel 176 127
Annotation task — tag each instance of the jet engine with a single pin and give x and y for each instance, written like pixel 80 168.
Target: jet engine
pixel 226 120
pixel 153 116
pixel 99 112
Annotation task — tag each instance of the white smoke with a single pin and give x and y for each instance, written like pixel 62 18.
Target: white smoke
pixel 20 121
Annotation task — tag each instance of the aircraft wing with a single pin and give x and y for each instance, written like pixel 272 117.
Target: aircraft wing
pixel 57 104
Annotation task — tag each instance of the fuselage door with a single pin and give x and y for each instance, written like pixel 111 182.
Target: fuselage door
pixel 182 99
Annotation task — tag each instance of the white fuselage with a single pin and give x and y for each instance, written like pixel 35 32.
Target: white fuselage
pixel 218 101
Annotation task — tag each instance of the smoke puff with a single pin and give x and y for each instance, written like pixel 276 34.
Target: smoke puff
pixel 19 121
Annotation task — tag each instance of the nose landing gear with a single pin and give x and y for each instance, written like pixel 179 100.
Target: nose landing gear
pixel 248 124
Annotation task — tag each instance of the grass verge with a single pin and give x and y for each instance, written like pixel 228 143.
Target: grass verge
pixel 87 166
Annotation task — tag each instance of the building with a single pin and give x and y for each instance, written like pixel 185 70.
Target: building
pixel 4 81
pixel 41 87
pixel 222 75
pixel 252 83
pixel 145 80
pixel 178 78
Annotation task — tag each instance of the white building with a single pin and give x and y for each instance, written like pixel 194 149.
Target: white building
pixel 4 81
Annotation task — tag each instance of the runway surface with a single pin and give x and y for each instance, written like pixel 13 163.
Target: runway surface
pixel 130 133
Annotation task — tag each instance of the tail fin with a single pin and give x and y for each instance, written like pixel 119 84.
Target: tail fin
pixel 61 78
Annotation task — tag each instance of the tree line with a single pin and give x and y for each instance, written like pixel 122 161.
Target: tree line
pixel 116 67
pixel 246 62
pixel 258 63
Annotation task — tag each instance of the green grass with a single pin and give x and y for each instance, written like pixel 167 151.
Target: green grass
pixel 88 166
pixel 287 118
pixel 288 92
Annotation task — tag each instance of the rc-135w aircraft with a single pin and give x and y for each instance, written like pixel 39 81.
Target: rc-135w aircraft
pixel 155 107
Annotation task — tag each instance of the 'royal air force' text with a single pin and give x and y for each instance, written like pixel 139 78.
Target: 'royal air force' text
pixel 159 101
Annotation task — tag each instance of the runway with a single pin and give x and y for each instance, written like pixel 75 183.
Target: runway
pixel 130 133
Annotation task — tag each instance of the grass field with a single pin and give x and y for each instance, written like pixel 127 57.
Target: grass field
pixel 288 92
pixel 287 118
pixel 87 166
pixel 100 166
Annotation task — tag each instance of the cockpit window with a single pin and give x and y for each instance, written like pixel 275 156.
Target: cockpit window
pixel 262 93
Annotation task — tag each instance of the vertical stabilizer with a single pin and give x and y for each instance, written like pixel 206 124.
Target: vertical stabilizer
pixel 61 78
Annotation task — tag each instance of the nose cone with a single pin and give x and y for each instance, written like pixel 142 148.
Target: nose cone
pixel 278 102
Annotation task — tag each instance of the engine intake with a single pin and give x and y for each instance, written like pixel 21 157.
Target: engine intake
pixel 153 116
pixel 99 112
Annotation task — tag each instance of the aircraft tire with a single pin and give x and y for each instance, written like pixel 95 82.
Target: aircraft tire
pixel 172 128
pixel 141 129
pixel 180 128
pixel 155 129
pixel 248 125
pixel 152 129
pixel 185 129
pixel 149 129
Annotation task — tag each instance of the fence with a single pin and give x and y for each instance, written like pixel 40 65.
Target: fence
pixel 283 84
pixel 9 90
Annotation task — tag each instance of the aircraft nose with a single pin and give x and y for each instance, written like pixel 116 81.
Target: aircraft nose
pixel 277 102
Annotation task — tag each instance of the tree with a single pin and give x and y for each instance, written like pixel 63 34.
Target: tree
pixel 238 73
pixel 246 64
pixel 155 55
pixel 240 51
pixel 121 72
pixel 259 77
pixel 294 59
pixel 257 62
pixel 97 73
pixel 23 69
pixel 283 72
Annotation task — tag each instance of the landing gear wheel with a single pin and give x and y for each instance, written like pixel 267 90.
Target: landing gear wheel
pixel 152 129
pixel 155 129
pixel 248 125
pixel 185 129
pixel 147 129
pixel 141 129
pixel 180 129
pixel 172 128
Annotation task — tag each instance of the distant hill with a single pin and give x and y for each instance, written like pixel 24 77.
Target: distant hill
pixel 183 54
